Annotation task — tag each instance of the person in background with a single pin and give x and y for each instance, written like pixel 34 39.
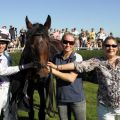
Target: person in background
pixel 111 34
pixel 92 37
pixel 5 70
pixel 83 39
pixel 22 37
pixel 108 76
pixel 80 35
pixel 12 33
pixel 70 95
pixel 100 37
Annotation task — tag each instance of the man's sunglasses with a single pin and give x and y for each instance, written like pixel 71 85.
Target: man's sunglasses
pixel 70 42
pixel 114 46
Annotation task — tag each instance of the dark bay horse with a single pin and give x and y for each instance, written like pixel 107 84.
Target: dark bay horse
pixel 39 48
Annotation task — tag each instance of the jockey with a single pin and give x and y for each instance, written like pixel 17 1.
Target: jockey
pixel 5 70
pixel 5 61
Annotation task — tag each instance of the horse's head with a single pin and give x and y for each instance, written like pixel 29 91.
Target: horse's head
pixel 38 44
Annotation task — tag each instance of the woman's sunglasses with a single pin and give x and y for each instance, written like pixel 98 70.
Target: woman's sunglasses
pixel 66 42
pixel 114 46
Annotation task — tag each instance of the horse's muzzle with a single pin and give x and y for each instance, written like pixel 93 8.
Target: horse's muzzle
pixel 43 72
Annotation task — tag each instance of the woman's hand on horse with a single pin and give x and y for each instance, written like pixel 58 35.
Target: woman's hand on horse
pixel 49 69
pixel 50 64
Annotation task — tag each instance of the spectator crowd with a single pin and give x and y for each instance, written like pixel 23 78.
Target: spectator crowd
pixel 84 39
pixel 17 40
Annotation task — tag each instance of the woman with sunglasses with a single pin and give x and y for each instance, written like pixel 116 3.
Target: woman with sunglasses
pixel 108 76
pixel 69 87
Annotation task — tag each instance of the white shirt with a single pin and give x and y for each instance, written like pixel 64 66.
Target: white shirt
pixel 4 63
pixel 101 36
pixel 8 70
pixel 78 57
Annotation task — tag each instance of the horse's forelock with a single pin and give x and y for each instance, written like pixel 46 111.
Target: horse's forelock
pixel 37 29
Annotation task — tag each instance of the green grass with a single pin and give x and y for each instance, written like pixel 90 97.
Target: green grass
pixel 15 57
pixel 90 93
pixel 87 54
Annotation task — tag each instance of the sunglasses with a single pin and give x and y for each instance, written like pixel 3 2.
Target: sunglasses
pixel 114 46
pixel 70 42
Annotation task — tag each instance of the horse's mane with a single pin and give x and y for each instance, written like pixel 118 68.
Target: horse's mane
pixel 57 44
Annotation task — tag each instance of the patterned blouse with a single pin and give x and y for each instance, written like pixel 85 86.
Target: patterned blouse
pixel 108 79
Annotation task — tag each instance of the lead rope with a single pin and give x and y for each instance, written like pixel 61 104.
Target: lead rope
pixel 51 102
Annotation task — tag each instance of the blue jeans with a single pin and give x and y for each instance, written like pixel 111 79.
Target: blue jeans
pixel 107 113
pixel 78 109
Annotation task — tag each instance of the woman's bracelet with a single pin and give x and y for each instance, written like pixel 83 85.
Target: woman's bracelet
pixel 61 67
pixel 57 68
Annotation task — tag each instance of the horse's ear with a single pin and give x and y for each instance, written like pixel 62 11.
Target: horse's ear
pixel 28 23
pixel 47 24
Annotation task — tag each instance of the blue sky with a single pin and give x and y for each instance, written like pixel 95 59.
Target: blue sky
pixel 64 13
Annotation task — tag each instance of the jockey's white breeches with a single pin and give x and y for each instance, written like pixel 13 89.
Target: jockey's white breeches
pixel 4 96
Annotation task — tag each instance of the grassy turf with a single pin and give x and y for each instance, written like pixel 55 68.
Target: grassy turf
pixel 90 93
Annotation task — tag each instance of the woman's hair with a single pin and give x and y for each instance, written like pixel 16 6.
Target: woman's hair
pixel 109 38
pixel 66 35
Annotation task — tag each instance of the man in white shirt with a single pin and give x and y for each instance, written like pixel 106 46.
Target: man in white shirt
pixel 101 35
